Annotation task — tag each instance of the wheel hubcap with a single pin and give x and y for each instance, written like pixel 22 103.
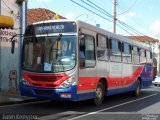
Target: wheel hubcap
pixel 138 90
pixel 99 94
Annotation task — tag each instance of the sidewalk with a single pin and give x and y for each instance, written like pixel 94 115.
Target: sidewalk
pixel 14 98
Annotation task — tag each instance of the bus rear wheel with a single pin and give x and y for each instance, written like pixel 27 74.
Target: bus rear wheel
pixel 137 90
pixel 99 94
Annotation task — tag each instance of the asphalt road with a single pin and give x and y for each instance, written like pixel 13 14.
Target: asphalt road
pixel 116 107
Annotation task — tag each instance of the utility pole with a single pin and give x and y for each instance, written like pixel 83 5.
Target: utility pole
pixel 114 16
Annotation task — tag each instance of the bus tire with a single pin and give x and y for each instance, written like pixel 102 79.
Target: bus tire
pixel 137 90
pixel 99 94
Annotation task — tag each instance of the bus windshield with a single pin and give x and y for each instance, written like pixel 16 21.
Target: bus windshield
pixel 49 54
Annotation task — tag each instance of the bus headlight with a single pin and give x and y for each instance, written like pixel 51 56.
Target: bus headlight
pixel 25 82
pixel 67 83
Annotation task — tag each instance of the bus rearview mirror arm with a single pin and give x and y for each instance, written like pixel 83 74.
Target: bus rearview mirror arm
pixel 13 42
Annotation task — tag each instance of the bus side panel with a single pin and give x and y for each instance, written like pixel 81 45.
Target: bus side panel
pixel 129 83
pixel 127 74
pixel 103 70
pixel 115 75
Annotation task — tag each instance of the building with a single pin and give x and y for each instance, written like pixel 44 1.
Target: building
pixel 147 41
pixel 41 14
pixel 12 21
pixel 154 44
pixel 14 17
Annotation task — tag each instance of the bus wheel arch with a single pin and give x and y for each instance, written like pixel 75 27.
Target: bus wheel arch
pixel 105 83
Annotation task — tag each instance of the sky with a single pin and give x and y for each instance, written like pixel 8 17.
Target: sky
pixel 142 15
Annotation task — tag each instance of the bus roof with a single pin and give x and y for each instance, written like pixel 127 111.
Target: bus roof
pixel 98 30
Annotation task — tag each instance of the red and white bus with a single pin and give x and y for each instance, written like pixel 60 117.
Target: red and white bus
pixel 72 60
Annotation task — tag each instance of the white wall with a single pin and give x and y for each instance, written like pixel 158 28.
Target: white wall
pixel 8 61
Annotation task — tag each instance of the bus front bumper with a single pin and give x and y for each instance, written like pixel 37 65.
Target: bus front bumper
pixel 50 93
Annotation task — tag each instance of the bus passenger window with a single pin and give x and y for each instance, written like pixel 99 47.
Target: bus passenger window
pixel 115 50
pixel 82 53
pixel 87 51
pixel 82 48
pixel 126 54
pixel 102 47
pixel 149 57
pixel 135 55
pixel 142 56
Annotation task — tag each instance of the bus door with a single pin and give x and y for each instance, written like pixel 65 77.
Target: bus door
pixel 115 75
pixel 87 64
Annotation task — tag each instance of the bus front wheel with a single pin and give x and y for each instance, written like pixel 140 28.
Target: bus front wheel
pixel 99 94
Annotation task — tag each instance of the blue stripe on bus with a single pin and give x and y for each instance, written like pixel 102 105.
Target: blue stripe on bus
pixel 121 90
pixel 144 84
pixel 55 93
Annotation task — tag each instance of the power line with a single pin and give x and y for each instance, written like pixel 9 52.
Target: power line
pixel 134 30
pixel 16 6
pixel 122 23
pixel 8 11
pixel 11 11
pixel 12 4
pixel 129 8
pixel 97 14
pixel 106 13
pixel 91 11
pixel 116 18
pixel 127 11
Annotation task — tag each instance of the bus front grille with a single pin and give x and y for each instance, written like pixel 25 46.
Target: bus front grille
pixel 44 92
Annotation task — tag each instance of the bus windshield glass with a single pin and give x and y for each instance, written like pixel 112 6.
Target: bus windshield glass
pixel 49 53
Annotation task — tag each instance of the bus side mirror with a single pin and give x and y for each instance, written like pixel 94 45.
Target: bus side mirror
pixel 13 43
pixel 12 46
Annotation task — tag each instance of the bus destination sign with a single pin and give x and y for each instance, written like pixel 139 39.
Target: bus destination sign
pixel 57 27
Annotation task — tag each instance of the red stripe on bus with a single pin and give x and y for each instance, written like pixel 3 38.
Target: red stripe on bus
pixel 89 83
